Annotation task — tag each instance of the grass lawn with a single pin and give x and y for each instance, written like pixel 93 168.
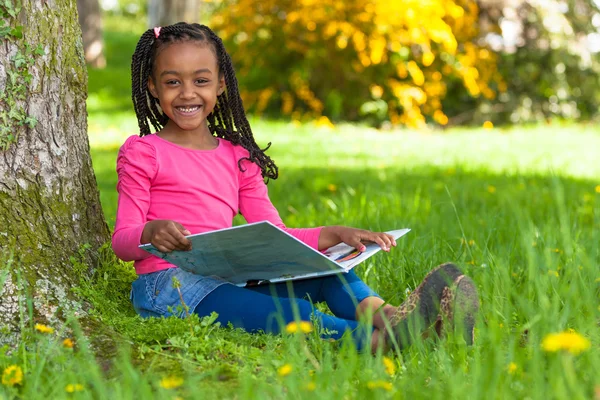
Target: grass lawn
pixel 517 209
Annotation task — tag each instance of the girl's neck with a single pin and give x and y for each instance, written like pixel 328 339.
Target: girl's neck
pixel 197 139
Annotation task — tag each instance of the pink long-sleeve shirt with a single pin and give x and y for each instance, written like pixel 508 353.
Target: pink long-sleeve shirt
pixel 201 189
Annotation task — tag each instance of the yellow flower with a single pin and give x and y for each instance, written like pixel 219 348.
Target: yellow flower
pixel 569 341
pixel 171 382
pixel 12 375
pixel 488 125
pixel 68 343
pixel 331 187
pixel 302 326
pixel 74 387
pixel 311 386
pixel 491 189
pixel 379 384
pixel 284 370
pixel 43 328
pixel 512 367
pixel 306 327
pixel 598 189
pixel 552 272
pixel 390 367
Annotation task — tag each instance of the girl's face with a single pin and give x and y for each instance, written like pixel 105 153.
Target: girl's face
pixel 186 82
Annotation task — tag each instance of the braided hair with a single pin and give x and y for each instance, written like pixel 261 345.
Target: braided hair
pixel 227 120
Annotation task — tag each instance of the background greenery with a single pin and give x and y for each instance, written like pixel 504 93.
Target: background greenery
pixel 440 62
pixel 517 208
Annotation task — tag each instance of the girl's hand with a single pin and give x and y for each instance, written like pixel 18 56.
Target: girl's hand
pixel 356 238
pixel 166 235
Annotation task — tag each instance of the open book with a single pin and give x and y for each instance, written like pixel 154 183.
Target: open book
pixel 260 252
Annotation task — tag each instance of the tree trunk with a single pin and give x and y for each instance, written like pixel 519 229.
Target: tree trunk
pixel 167 12
pixel 90 19
pixel 49 201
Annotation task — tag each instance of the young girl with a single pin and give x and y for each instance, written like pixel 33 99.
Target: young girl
pixel 199 169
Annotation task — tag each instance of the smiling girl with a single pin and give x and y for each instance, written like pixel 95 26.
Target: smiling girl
pixel 199 168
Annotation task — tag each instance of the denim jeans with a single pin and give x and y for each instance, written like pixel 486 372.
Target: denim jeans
pixel 269 308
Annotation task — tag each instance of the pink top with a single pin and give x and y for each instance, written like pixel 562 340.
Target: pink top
pixel 201 189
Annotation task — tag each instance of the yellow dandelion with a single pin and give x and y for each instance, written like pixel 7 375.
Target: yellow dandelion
pixel 284 370
pixel 471 242
pixel 302 326
pixel 68 343
pixel 311 386
pixel 380 384
pixel 12 375
pixel 171 382
pixel 332 187
pixel 73 387
pixel 390 367
pixel 306 327
pixel 43 328
pixel 598 189
pixel 512 367
pixel 569 341
pixel 491 189
pixel 488 125
pixel 292 327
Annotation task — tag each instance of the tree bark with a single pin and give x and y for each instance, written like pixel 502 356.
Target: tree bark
pixel 49 201
pixel 168 12
pixel 90 19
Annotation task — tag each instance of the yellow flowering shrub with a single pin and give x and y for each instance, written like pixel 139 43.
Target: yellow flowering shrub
pixel 328 57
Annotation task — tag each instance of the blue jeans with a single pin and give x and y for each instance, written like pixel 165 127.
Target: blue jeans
pixel 269 308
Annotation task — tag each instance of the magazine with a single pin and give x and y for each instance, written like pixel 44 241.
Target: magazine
pixel 260 252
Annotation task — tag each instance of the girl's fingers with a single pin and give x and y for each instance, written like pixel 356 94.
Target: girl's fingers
pixel 392 240
pixel 178 237
pixel 382 240
pixel 357 244
pixel 165 248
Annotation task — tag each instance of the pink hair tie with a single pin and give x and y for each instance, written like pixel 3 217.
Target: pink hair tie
pixel 157 31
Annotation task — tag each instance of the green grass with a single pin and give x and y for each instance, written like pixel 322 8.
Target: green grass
pixel 518 209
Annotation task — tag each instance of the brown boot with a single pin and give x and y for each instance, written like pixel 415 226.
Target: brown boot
pixel 445 300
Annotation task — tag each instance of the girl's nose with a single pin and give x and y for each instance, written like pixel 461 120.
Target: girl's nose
pixel 187 91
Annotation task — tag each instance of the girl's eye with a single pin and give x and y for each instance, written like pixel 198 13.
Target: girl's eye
pixel 172 82
pixel 201 81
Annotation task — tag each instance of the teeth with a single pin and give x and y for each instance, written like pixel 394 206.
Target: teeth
pixel 188 109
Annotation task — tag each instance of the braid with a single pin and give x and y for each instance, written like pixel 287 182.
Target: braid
pixel 228 119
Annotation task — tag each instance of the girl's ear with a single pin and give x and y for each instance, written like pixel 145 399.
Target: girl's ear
pixel 221 86
pixel 152 88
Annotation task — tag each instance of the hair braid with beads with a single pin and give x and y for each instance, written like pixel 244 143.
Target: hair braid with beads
pixel 227 120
